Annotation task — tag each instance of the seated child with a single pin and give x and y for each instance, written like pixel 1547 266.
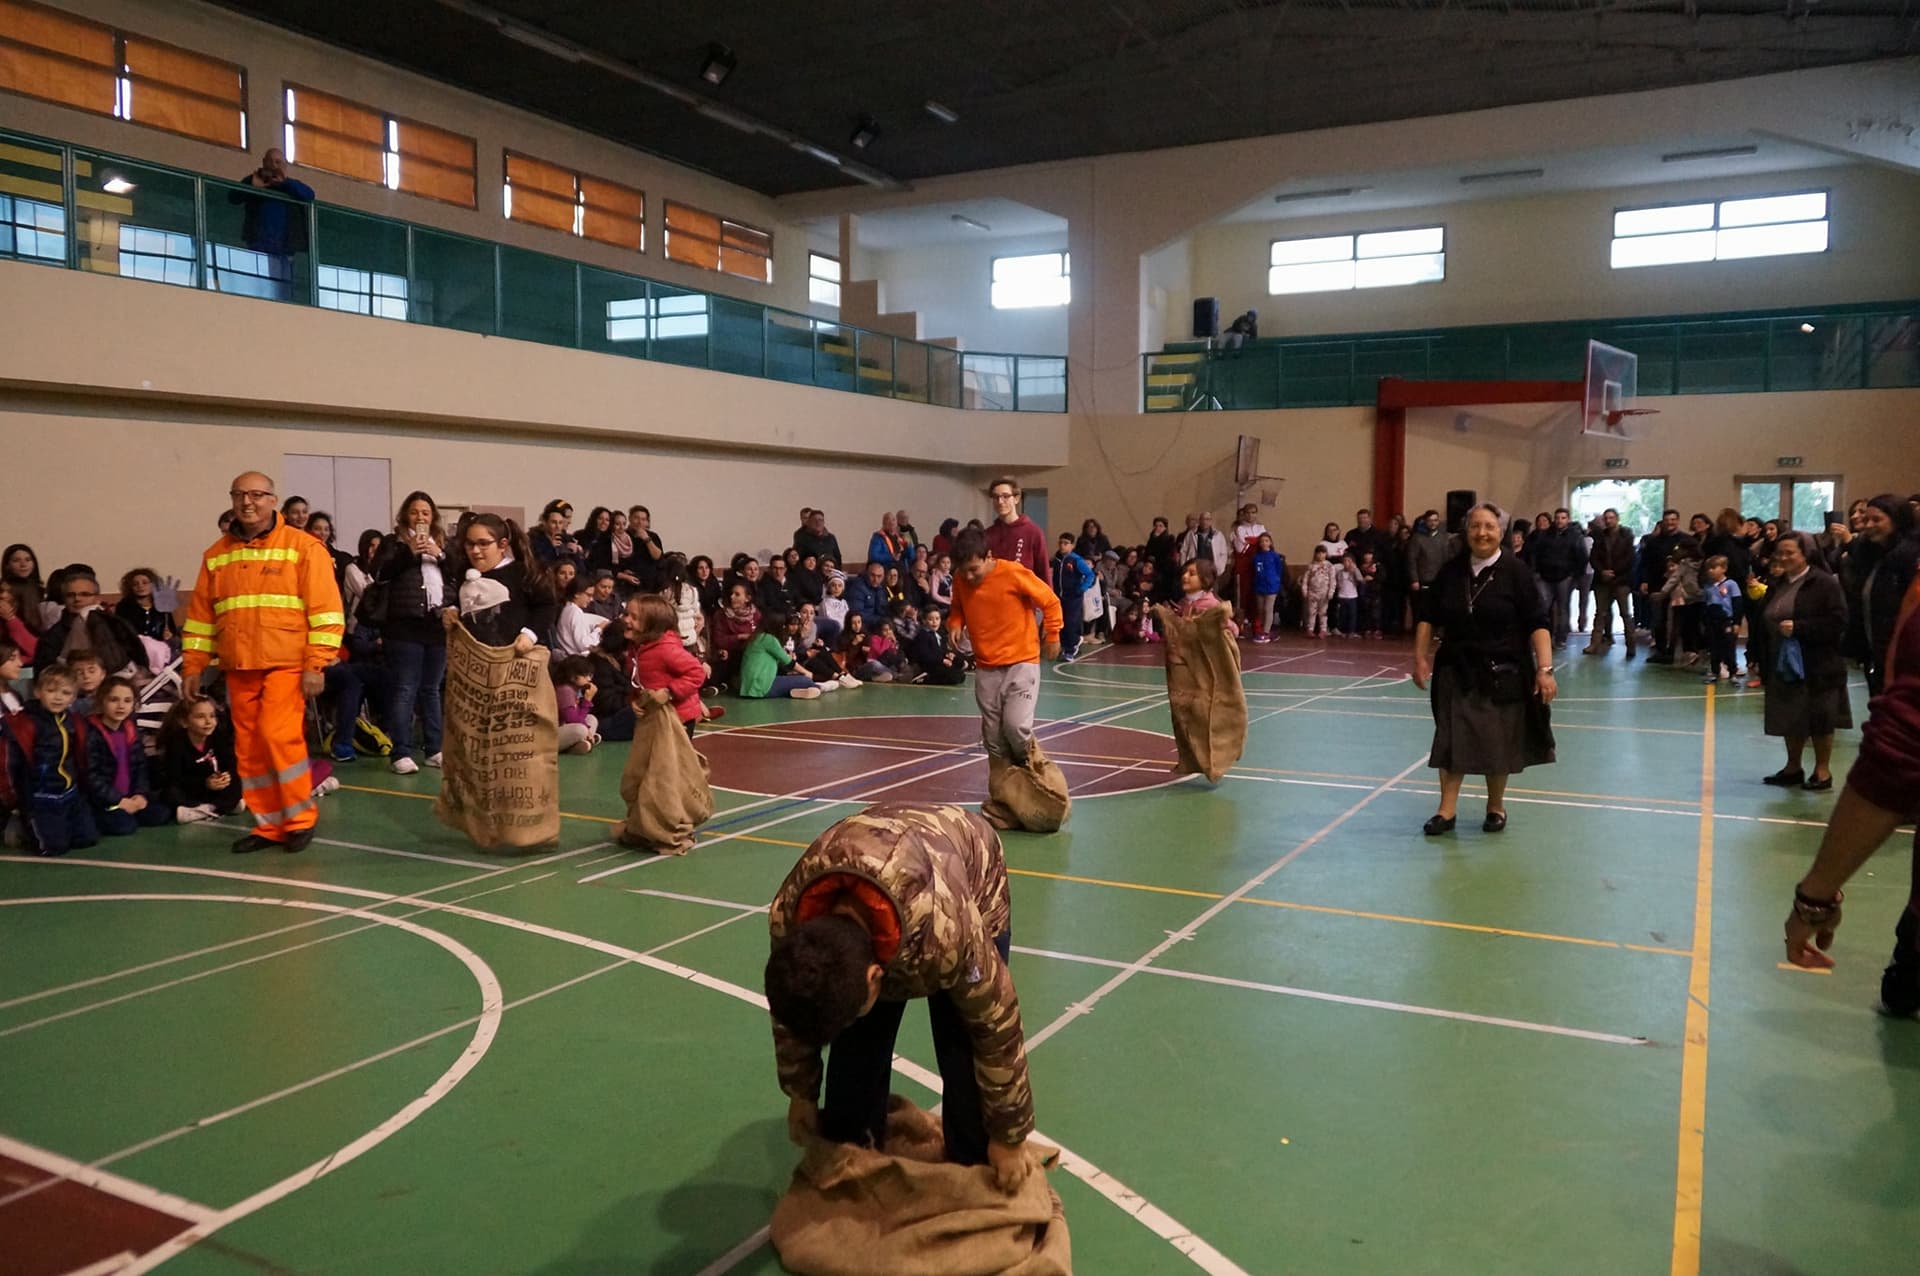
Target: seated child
pixel 856 651
pixel 197 769
pixel 885 649
pixel 117 766
pixel 47 767
pixel 578 630
pixel 1135 624
pixel 11 664
pixel 932 653
pixel 833 608
pixel 814 650
pixel 573 695
pixel 604 604
pixel 767 671
pixel 1196 587
pixel 89 674
pixel 657 659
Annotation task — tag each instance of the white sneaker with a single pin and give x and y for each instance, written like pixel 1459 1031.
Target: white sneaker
pixel 848 681
pixel 881 677
pixel 192 814
pixel 403 766
pixel 804 693
pixel 831 684
pixel 329 785
pixel 433 760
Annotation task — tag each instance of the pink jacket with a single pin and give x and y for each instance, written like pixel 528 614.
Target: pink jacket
pixel 665 664
pixel 1191 606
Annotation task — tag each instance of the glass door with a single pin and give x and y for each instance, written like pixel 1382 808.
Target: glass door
pixel 1639 501
pixel 1802 503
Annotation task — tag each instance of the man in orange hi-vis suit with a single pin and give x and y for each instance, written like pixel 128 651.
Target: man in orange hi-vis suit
pixel 267 605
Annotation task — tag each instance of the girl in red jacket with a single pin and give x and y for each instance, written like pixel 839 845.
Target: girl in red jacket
pixel 658 661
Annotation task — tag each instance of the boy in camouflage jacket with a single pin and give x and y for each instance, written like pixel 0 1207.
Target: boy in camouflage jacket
pixel 899 902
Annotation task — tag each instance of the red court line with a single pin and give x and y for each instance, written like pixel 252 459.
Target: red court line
pixel 67 1226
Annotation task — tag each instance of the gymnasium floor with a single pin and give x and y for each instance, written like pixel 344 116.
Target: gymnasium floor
pixel 1276 1029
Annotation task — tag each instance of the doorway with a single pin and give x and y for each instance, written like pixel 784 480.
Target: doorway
pixel 356 490
pixel 1640 501
pixel 1033 503
pixel 1804 502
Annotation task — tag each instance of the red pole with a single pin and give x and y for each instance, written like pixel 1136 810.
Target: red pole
pixel 1389 463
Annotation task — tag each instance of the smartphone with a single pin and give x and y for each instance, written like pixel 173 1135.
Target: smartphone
pixel 1835 516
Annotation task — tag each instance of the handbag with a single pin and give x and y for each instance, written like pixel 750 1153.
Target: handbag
pixel 376 601
pixel 1789 662
pixel 1093 605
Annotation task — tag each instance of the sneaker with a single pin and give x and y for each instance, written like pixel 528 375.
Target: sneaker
pixel 881 677
pixel 715 712
pixel 343 754
pixel 403 766
pixel 848 681
pixel 709 691
pixel 433 760
pixel 1710 679
pixel 831 684
pixel 1068 657
pixel 193 814
pixel 805 693
pixel 329 785
pixel 1754 682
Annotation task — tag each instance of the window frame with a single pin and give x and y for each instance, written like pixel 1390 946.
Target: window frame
pixel 1354 258
pixel 1716 229
pixel 839 278
pixel 122 77
pixel 1066 275
pixel 390 153
pixel 581 208
pixel 719 241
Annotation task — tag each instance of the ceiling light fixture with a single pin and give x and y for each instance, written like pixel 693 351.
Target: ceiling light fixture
pixel 820 153
pixel 864 133
pixel 1713 152
pixel 961 219
pixel 1332 192
pixel 939 111
pixel 537 39
pixel 117 185
pixel 1806 327
pixel 731 118
pixel 719 64
pixel 1504 175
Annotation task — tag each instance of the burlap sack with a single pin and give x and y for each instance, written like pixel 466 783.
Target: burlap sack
pixel 1203 690
pixel 851 1211
pixel 664 785
pixel 500 773
pixel 1031 797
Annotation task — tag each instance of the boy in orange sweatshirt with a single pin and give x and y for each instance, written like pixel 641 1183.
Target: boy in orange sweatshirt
pixel 994 600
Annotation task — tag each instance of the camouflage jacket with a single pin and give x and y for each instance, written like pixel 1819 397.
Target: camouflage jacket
pixel 943 871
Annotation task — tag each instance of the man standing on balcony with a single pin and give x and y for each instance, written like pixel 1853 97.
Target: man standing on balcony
pixel 275 228
pixel 1014 537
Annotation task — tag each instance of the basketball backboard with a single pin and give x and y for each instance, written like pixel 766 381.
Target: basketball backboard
pixel 1612 384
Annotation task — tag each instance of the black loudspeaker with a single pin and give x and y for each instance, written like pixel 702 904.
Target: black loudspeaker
pixel 1206 317
pixel 1459 505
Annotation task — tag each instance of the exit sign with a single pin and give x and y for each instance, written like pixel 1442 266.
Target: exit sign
pixel 1787 462
pixel 1616 462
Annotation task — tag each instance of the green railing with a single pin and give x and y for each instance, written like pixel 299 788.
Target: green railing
pixel 1853 347
pixel 90 210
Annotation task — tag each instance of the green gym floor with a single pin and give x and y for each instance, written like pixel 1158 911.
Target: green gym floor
pixel 1274 1027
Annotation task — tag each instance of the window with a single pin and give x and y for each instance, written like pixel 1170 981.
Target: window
pixel 32 228
pixel 1037 279
pixel 561 199
pixel 1801 503
pixel 711 242
pixel 57 57
pixel 246 273
pixel 162 256
pixel 1640 501
pixel 1376 259
pixel 337 136
pixel 657 318
pixel 1767 226
pixel 823 279
pixel 363 292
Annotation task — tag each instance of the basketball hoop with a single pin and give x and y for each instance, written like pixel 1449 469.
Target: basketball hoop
pixel 1613 417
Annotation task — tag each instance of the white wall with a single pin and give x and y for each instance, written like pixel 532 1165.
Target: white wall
pixel 1546 257
pixel 1166 294
pixel 950 286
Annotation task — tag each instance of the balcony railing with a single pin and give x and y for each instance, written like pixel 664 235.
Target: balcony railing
pixel 89 210
pixel 1827 348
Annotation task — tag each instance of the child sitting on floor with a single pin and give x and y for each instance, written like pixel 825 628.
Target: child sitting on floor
pixel 573 692
pixel 856 651
pixel 767 671
pixel 89 675
pixel 833 608
pixel 883 649
pixel 657 659
pixel 731 631
pixel 117 766
pixel 197 769
pixel 577 631
pixel 932 653
pixel 47 767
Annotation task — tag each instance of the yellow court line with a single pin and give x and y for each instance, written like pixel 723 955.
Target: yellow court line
pixel 1805 970
pixel 1691 1161
pixel 1125 886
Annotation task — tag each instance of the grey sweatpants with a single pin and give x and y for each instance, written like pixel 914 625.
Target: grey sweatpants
pixel 1006 696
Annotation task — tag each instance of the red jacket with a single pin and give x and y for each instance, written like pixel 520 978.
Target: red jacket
pixel 666 665
pixel 729 634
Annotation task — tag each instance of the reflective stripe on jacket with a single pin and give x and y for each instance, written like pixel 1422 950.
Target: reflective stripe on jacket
pixel 266 603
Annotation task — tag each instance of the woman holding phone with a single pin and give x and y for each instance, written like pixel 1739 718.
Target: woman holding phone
pixel 411 567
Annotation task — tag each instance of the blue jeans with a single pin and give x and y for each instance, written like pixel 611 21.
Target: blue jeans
pixel 1346 615
pixel 788 683
pixel 418 671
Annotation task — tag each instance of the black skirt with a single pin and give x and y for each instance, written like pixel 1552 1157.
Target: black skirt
pixel 1474 735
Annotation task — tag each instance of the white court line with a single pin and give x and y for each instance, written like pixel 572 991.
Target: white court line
pixel 1074 1011
pixel 1371 1003
pixel 701 899
pixel 106 1266
pixel 1158 1221
pixel 66 1169
pixel 1290 708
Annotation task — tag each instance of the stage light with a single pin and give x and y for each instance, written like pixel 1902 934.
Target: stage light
pixel 719 64
pixel 863 133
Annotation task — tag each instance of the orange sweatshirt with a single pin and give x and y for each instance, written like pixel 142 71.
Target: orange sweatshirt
pixel 998 613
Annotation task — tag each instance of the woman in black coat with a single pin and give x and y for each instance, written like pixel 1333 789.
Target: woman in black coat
pixel 1805 604
pixel 414 578
pixel 1492 678
pixel 1880 564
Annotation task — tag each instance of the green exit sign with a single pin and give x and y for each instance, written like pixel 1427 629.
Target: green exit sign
pixel 1616 462
pixel 1787 462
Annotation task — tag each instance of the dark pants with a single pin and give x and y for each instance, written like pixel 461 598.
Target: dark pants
pixel 350 682
pixel 617 725
pixel 418 669
pixel 1719 633
pixel 860 1077
pixel 60 822
pixel 1070 622
pixel 119 823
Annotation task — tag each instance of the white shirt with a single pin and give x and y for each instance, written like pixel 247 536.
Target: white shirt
pixel 1477 564
pixel 576 633
pixel 1247 535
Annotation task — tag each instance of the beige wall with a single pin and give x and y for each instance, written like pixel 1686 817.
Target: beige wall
pixel 1546 257
pixel 273 56
pixel 950 286
pixel 126 480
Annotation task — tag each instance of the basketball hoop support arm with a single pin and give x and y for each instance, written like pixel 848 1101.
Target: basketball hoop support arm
pixel 1395 396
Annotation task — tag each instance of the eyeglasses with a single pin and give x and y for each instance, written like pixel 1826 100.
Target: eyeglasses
pixel 472 543
pixel 253 496
pixel 1004 496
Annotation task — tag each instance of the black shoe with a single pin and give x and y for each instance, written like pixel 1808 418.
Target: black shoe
pixel 1900 985
pixel 1786 777
pixel 1494 823
pixel 1815 785
pixel 253 842
pixel 298 842
pixel 1437 825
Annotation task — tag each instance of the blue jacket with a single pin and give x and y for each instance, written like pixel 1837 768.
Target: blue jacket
pixel 1072 576
pixel 1269 572
pixel 888 553
pixel 46 755
pixel 868 600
